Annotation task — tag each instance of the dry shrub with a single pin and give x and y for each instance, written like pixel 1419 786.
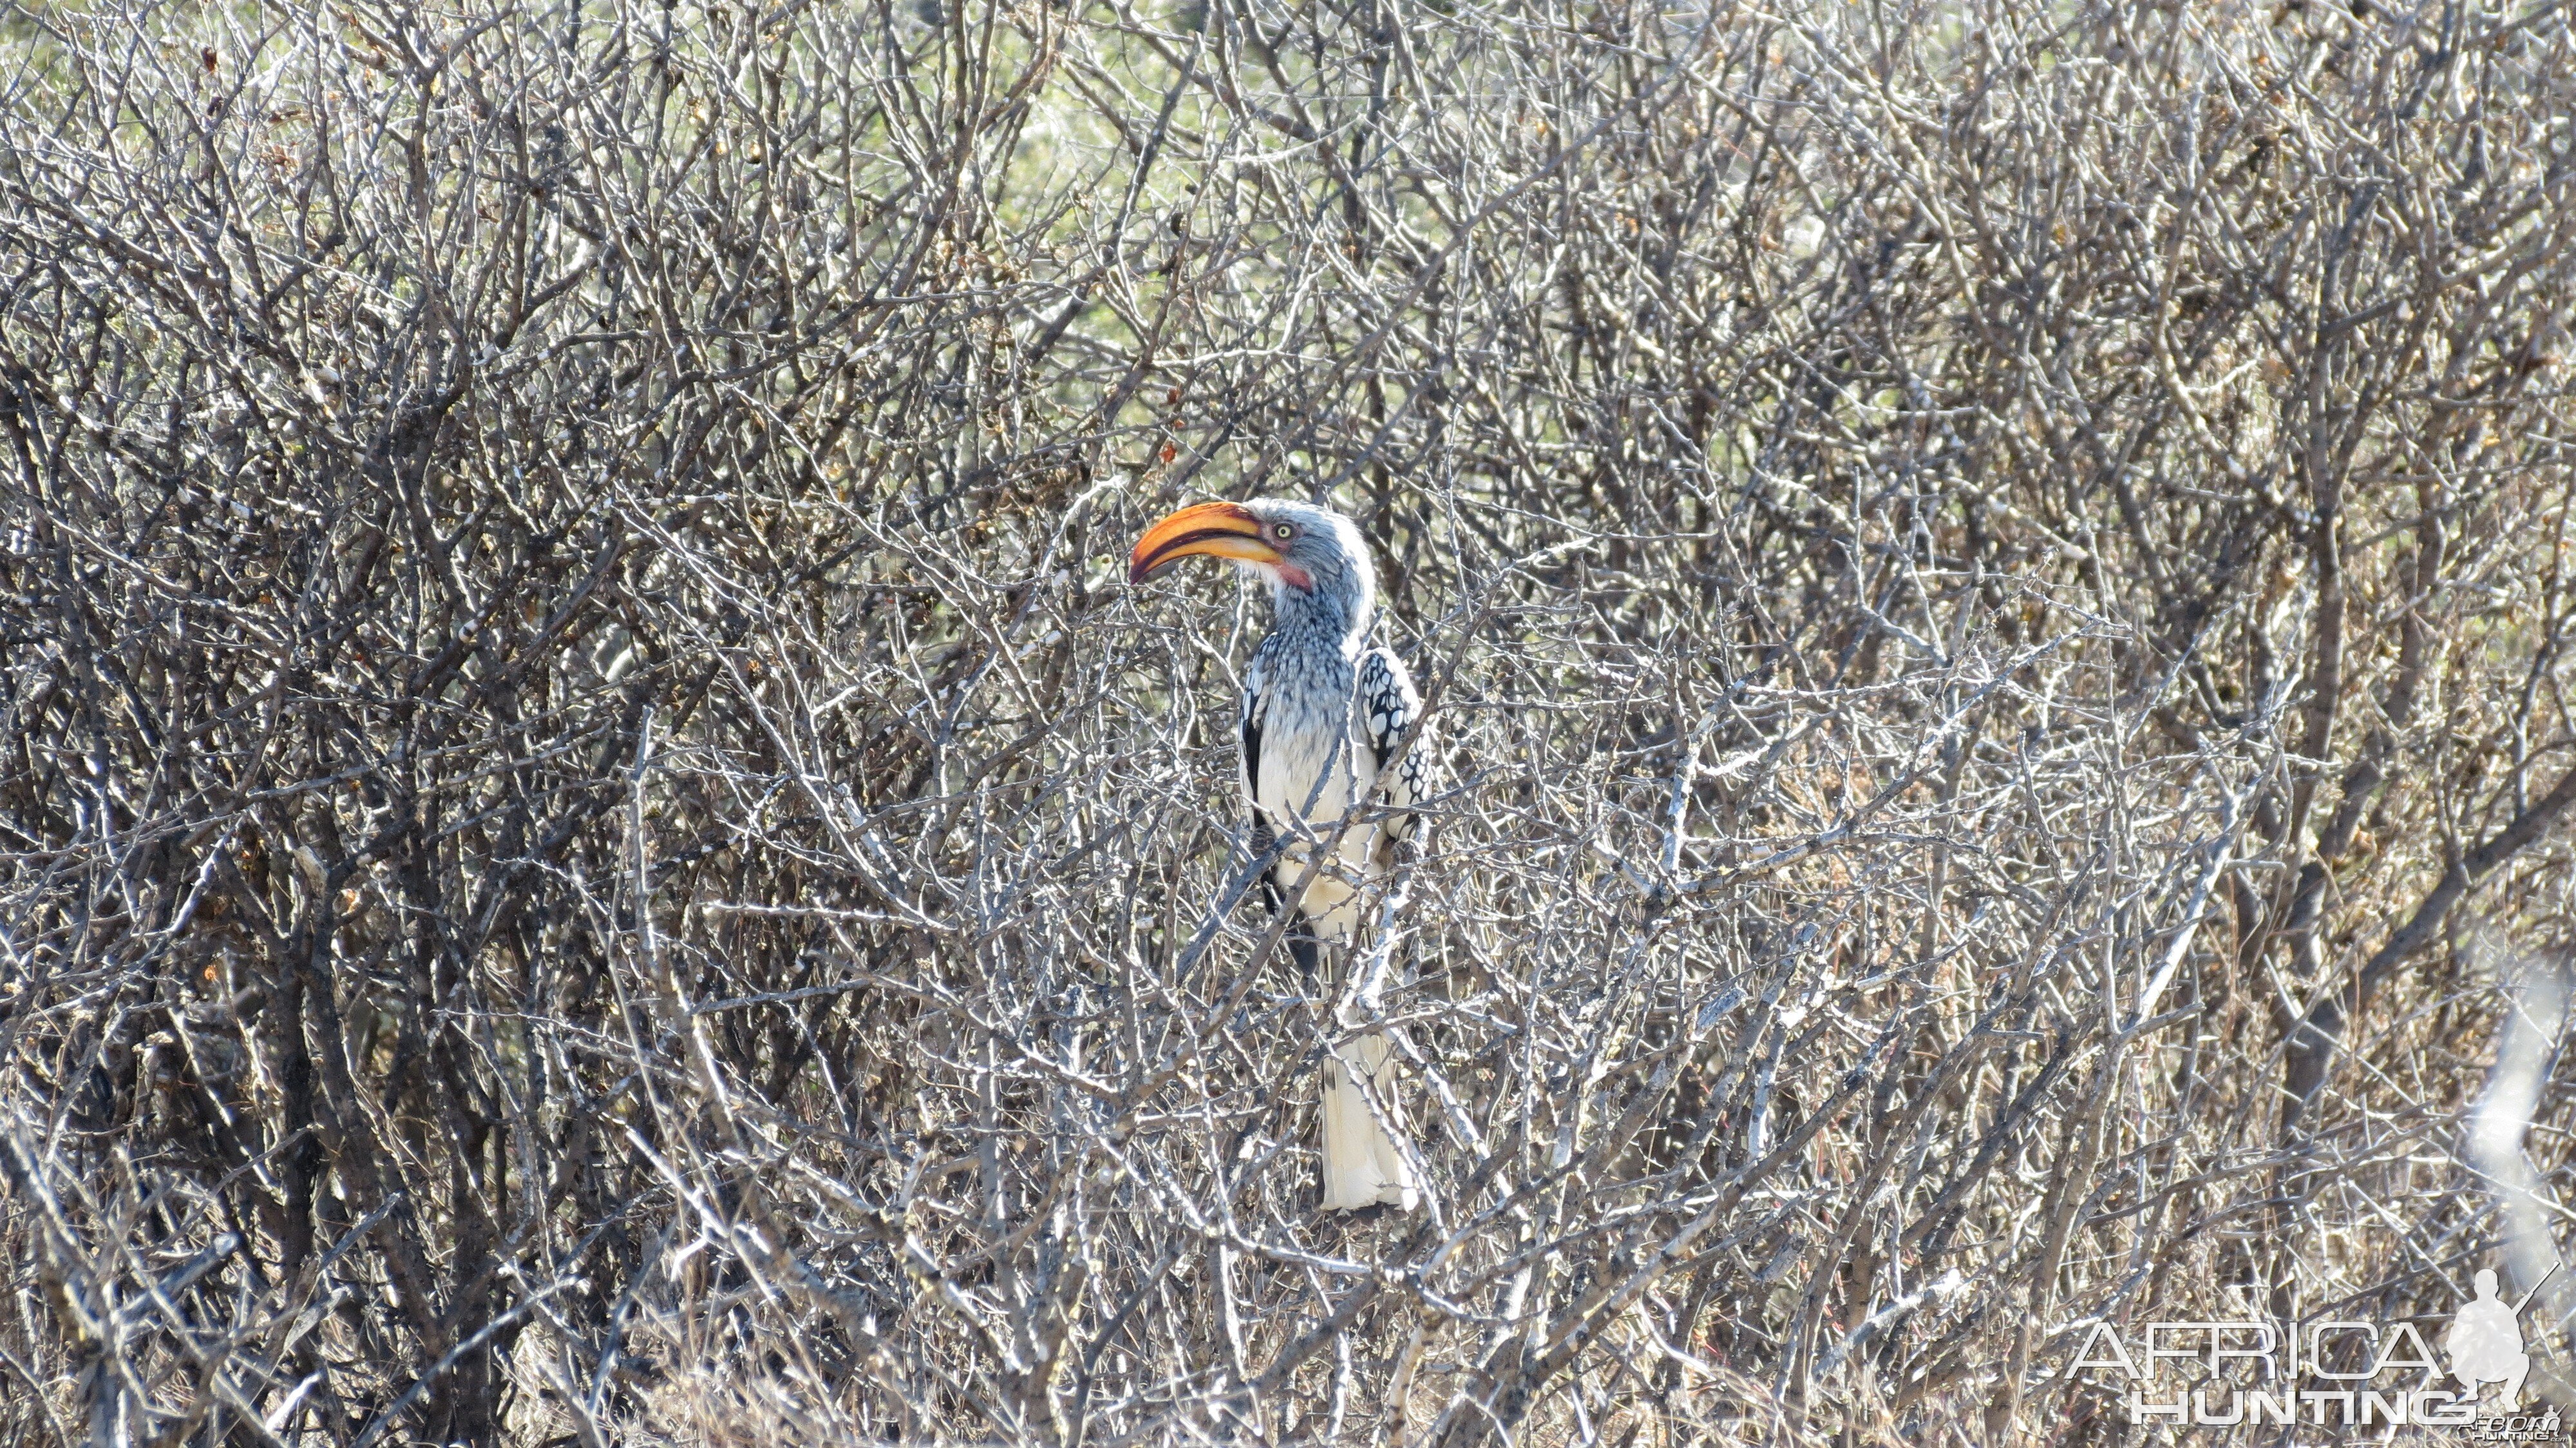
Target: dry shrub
pixel 596 850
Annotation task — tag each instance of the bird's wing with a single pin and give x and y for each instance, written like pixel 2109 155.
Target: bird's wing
pixel 1388 706
pixel 1265 832
pixel 1249 728
pixel 1301 945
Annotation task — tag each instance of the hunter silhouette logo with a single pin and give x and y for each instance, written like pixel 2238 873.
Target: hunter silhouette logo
pixel 2485 1340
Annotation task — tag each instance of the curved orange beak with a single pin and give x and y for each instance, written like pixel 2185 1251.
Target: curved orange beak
pixel 1217 530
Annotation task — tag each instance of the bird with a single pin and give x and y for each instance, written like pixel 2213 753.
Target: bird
pixel 1322 715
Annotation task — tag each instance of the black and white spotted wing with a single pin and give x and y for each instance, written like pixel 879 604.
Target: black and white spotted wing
pixel 1387 706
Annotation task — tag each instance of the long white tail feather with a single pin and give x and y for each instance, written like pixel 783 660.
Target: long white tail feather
pixel 1363 1167
pixel 1363 1164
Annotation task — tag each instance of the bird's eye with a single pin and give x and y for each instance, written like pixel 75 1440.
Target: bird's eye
pixel 1282 532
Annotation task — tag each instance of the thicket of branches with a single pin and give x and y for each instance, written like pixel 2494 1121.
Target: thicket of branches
pixel 593 847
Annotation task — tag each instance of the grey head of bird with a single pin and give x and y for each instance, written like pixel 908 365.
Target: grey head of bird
pixel 1314 559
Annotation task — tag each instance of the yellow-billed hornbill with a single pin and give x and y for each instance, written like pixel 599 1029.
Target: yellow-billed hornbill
pixel 1322 711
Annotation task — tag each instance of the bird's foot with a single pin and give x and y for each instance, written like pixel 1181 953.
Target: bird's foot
pixel 1366 1215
